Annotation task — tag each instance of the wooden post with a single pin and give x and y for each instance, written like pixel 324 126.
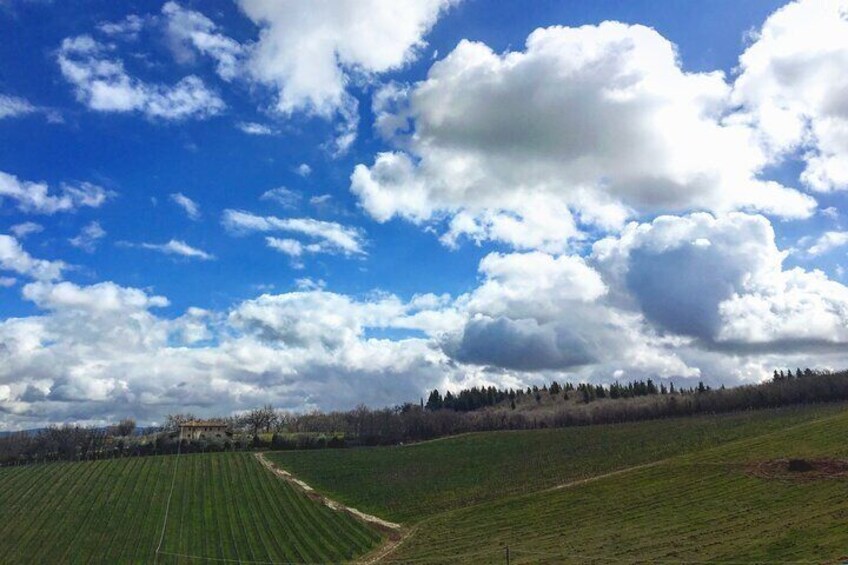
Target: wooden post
pixel 507 554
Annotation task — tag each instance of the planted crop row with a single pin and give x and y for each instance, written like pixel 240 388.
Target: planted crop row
pixel 82 511
pixel 408 483
pixel 698 508
pixel 230 507
pixel 224 506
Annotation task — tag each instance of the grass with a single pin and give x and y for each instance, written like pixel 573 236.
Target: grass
pixel 224 506
pixel 698 507
pixel 683 492
pixel 410 483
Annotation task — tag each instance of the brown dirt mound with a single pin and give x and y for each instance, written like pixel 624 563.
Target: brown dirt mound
pixel 800 469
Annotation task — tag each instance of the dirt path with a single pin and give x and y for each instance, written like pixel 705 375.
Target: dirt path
pixel 399 534
pixel 594 478
pixel 389 547
pixel 395 532
pixel 386 549
pixel 381 524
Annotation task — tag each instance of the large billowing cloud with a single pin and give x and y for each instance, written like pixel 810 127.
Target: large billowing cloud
pixel 535 312
pixel 675 296
pixel 690 296
pixel 101 352
pixel 595 124
pixel 721 280
pixel 309 51
pixel 584 131
pixel 794 85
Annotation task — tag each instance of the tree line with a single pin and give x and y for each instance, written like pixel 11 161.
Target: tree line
pixel 475 398
pixel 468 410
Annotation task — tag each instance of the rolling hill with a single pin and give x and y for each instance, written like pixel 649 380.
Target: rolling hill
pixel 407 483
pixel 714 488
pixel 715 505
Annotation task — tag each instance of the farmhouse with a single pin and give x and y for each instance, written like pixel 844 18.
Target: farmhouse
pixel 203 429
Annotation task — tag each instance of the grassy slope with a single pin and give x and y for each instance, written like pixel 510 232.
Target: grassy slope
pixel 225 506
pixel 697 507
pixel 408 483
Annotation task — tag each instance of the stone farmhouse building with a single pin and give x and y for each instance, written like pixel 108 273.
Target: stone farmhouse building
pixel 203 429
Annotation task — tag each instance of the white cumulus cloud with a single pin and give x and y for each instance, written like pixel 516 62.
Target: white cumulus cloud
pixel 310 52
pixel 593 125
pixel 827 242
pixel 189 30
pixel 14 258
pixel 793 83
pixel 721 281
pixel 102 83
pixel 35 197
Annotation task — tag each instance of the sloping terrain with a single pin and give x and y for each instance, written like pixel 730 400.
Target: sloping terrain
pixel 702 507
pixel 223 507
pixel 715 488
pixel 409 483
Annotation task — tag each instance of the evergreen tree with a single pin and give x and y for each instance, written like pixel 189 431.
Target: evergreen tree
pixel 434 402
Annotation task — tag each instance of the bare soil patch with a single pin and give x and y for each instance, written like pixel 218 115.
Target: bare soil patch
pixel 798 469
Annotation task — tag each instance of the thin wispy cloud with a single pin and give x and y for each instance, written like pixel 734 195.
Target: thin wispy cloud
pixel 189 206
pixel 828 242
pixel 26 228
pixel 332 236
pixel 39 198
pixel 173 247
pixel 13 106
pixel 283 196
pixel 253 128
pixel 89 237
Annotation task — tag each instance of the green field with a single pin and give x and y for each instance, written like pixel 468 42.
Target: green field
pixel 704 507
pixel 667 491
pixel 224 507
pixel 408 483
pixel 680 491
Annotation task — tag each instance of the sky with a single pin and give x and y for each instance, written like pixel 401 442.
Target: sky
pixel 210 206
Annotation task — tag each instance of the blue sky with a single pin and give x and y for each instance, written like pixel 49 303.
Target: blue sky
pixel 317 204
